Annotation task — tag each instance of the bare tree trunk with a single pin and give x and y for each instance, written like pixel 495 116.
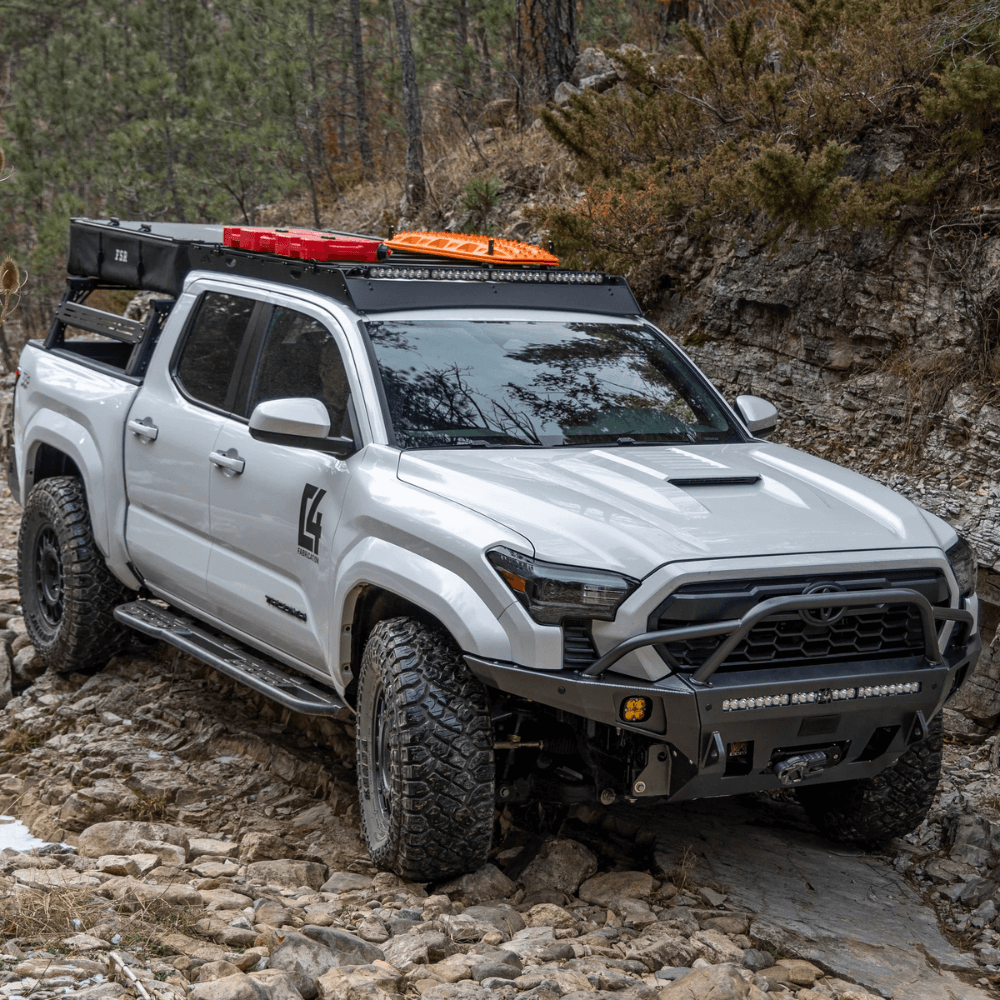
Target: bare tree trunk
pixel 360 103
pixel 314 139
pixel 546 48
pixel 487 60
pixel 416 189
pixel 462 47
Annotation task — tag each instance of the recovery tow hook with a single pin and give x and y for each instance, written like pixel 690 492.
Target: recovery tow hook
pixel 796 769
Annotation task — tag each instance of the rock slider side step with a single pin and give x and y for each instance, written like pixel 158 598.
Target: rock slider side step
pixel 232 659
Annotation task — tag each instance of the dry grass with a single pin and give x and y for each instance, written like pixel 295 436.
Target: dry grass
pixel 30 912
pixel 148 808
pixel 681 874
pixel 530 168
pixel 17 741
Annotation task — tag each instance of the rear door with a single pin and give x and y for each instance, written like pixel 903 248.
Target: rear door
pixel 274 519
pixel 170 434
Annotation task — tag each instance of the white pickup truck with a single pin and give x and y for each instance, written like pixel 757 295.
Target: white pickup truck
pixel 491 513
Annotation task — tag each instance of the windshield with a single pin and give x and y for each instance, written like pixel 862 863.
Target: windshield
pixel 454 383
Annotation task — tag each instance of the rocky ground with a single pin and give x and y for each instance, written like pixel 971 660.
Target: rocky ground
pixel 206 842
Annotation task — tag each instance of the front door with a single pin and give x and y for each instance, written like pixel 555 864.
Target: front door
pixel 171 431
pixel 275 511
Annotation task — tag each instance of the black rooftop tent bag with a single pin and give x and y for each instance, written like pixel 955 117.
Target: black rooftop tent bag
pixel 150 256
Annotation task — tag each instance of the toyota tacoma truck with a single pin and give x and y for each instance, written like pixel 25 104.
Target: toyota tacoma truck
pixel 479 505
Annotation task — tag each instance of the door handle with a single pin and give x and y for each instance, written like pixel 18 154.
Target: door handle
pixel 145 428
pixel 229 461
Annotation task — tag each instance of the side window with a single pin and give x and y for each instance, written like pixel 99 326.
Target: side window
pixel 300 358
pixel 209 355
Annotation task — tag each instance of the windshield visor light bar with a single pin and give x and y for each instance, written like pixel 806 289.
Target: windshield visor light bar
pixel 551 593
pixel 485 274
pixel 819 697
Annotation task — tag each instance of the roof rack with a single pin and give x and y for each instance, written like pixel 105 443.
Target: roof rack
pixel 363 271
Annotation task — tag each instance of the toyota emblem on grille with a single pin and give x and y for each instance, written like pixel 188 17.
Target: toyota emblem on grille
pixel 822 616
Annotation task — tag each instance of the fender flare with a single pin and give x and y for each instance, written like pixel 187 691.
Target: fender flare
pixel 49 427
pixel 437 590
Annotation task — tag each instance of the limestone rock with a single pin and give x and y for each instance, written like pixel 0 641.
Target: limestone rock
pixel 307 956
pixel 550 915
pixel 405 951
pixel 5 678
pixel 278 984
pixel 61 878
pixel 591 62
pixel 27 664
pixel 49 968
pixel 286 872
pixel 561 865
pixel 485 883
pixel 502 916
pixel 233 987
pixel 256 846
pixel 660 945
pixel 564 92
pixel 199 846
pixel 608 888
pixel 122 836
pixel 799 972
pixel 346 882
pixel 364 982
pixel 717 982
pixel 85 942
pixel 118 864
pixel 211 971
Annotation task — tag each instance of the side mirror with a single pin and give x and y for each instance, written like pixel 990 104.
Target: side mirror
pixel 760 416
pixel 300 422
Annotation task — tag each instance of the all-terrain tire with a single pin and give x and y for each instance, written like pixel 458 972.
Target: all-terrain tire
pixel 68 594
pixel 874 810
pixel 425 754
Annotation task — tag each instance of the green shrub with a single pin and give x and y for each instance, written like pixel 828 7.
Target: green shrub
pixel 482 195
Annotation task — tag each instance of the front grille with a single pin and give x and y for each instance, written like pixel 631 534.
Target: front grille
pixel 786 639
pixel 578 646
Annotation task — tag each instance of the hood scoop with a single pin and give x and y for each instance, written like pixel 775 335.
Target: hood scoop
pixel 714 481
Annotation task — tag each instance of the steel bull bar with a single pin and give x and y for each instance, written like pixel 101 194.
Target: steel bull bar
pixel 796 711
pixel 737 629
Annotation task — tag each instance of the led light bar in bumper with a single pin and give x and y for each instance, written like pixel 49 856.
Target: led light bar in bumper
pixel 821 697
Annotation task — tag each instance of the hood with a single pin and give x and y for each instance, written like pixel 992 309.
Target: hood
pixel 616 507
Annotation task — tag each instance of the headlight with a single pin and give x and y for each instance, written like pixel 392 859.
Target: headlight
pixel 551 592
pixel 964 564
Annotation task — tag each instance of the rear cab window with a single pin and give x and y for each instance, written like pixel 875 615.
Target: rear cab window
pixel 210 354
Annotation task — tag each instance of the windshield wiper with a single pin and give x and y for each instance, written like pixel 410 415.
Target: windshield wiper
pixel 627 442
pixel 473 444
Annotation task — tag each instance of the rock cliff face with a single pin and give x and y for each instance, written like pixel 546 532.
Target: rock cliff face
pixel 881 354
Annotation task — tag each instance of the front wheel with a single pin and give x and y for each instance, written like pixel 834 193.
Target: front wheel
pixel 67 592
pixel 892 804
pixel 425 754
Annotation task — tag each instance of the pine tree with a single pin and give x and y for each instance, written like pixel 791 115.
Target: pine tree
pixel 416 188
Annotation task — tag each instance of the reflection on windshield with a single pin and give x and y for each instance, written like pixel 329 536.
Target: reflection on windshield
pixel 466 384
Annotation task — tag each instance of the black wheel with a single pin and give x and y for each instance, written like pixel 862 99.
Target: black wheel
pixel 67 592
pixel 874 810
pixel 425 754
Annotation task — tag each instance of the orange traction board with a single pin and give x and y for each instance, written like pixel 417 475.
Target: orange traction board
pixel 304 244
pixel 475 248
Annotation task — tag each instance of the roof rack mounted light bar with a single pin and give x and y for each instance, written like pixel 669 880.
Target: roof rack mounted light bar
pixel 158 257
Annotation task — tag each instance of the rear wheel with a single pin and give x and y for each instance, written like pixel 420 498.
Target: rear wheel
pixel 893 803
pixel 425 754
pixel 67 592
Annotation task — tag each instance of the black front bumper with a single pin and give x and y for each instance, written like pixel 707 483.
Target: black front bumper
pixel 865 712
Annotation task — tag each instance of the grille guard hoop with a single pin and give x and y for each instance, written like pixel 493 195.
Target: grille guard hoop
pixel 737 629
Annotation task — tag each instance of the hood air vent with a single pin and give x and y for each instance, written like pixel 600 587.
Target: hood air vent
pixel 715 481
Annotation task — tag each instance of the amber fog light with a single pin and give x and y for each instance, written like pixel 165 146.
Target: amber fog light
pixel 636 709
